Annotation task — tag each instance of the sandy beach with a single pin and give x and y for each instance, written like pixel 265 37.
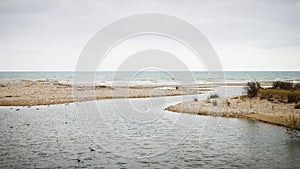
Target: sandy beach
pixel 242 107
pixel 29 93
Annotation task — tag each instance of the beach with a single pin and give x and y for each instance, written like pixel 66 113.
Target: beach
pixel 29 93
pixel 274 112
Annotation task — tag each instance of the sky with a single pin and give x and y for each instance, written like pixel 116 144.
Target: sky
pixel 49 35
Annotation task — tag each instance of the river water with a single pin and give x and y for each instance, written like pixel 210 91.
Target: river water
pixel 136 133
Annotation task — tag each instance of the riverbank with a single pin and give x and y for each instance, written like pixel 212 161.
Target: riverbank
pixel 29 93
pixel 242 107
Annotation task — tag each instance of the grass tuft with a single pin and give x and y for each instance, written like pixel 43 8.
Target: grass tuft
pixel 293 122
pixel 214 103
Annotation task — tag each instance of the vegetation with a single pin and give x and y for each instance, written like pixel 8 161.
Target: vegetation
pixel 293 122
pixel 195 99
pixel 291 96
pixel 213 96
pixel 286 92
pixel 286 85
pixel 297 86
pixel 214 103
pixel 252 88
pixel 282 85
pixel 281 92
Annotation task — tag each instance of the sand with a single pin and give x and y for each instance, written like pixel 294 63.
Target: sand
pixel 29 93
pixel 271 112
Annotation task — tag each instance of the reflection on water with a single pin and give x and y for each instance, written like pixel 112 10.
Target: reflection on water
pixel 143 136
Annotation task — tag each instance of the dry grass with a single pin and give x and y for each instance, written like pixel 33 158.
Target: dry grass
pixel 280 91
pixel 291 96
pixel 292 121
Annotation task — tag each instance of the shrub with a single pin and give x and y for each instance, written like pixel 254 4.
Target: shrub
pixel 214 103
pixel 252 88
pixel 297 86
pixel 292 98
pixel 213 96
pixel 283 85
pixel 195 99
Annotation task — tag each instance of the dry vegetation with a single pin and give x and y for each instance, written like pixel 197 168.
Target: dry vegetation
pixel 283 92
pixel 273 105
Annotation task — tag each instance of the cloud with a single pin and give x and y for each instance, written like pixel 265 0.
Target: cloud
pixel 61 28
pixel 27 6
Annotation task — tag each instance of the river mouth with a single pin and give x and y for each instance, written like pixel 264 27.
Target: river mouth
pixel 135 133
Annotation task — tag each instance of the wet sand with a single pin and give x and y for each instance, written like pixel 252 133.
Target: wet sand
pixel 29 93
pixel 271 112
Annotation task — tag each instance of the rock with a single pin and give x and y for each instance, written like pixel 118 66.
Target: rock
pixel 271 99
pixel 297 106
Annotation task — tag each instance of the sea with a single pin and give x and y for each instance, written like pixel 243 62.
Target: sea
pixel 149 78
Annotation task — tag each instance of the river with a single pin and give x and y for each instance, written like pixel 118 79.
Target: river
pixel 137 133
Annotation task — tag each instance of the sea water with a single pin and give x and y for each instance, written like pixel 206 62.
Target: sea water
pixel 146 78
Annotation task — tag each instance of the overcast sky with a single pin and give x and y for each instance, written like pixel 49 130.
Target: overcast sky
pixel 247 35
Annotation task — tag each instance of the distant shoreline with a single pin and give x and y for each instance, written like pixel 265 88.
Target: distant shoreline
pixel 46 92
pixel 30 93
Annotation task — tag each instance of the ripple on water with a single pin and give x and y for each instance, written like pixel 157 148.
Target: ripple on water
pixel 168 142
